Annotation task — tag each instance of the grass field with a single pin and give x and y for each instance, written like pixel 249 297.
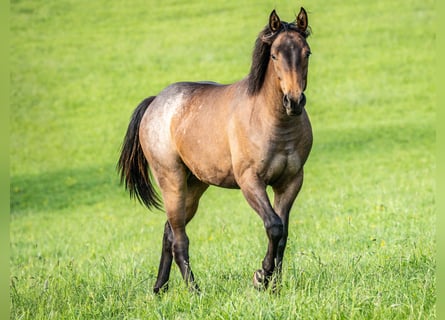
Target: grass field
pixel 362 232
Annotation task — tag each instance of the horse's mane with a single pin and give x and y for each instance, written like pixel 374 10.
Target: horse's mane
pixel 261 54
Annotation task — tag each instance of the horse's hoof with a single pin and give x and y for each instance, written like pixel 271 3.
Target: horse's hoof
pixel 259 280
pixel 163 289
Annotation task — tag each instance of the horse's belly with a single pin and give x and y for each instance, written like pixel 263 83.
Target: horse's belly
pixel 210 165
pixel 216 176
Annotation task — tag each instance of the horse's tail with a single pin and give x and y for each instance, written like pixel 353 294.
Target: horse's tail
pixel 133 166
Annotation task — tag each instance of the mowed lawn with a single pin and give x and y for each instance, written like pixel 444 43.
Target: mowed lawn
pixel 362 231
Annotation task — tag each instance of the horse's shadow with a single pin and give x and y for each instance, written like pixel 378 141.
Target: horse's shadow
pixel 62 189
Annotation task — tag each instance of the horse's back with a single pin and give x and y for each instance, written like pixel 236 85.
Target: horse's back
pixel 187 124
pixel 177 104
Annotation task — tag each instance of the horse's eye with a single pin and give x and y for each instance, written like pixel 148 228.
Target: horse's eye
pixel 274 57
pixel 307 54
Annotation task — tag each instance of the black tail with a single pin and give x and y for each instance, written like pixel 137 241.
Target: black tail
pixel 133 165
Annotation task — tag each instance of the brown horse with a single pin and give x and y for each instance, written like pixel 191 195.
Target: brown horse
pixel 246 135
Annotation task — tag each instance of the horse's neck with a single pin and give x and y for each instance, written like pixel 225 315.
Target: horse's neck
pixel 270 104
pixel 270 91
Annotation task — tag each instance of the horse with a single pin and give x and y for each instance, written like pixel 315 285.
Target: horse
pixel 247 135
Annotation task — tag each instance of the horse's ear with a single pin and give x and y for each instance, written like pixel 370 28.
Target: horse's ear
pixel 301 20
pixel 274 21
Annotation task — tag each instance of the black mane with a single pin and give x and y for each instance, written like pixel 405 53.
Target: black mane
pixel 261 54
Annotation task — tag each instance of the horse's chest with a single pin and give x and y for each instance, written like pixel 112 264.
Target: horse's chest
pixel 280 164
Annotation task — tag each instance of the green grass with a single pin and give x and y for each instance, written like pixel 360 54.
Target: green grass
pixel 362 232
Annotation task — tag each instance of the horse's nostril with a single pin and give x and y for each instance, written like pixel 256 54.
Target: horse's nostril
pixel 286 100
pixel 302 100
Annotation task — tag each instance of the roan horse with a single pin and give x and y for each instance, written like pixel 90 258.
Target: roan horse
pixel 246 135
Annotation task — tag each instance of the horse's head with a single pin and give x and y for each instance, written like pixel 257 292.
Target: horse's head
pixel 289 54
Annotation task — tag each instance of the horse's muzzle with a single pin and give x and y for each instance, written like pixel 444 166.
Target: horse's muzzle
pixel 294 107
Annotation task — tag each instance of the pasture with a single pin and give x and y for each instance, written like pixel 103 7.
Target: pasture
pixel 362 231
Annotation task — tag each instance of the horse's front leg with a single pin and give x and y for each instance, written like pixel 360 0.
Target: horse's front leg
pixel 285 195
pixel 254 191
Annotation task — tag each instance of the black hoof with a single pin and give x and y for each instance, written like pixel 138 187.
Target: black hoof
pixel 157 290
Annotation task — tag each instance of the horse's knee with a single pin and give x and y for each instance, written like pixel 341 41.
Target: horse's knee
pixel 275 231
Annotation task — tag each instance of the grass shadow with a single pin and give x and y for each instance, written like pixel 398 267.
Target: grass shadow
pixel 62 189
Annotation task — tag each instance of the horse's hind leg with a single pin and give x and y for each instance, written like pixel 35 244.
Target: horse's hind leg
pixel 195 189
pixel 166 260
